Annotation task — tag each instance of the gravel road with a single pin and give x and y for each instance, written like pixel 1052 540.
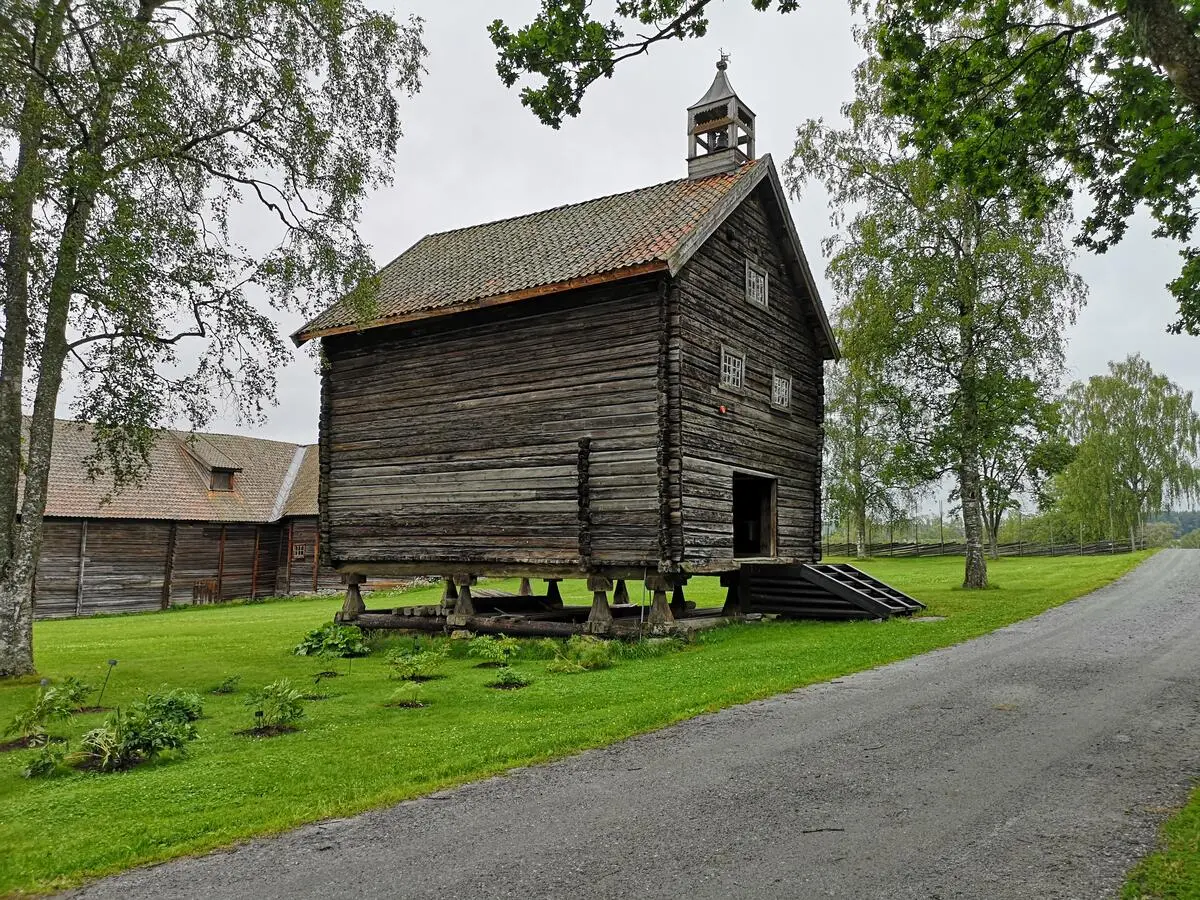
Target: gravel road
pixel 1034 762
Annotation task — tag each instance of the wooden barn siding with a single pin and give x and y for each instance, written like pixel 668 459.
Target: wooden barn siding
pixel 753 435
pixel 458 440
pixel 57 579
pixel 296 575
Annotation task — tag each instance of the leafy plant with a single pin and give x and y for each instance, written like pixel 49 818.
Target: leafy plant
pixel 280 704
pixel 74 691
pixel 407 695
pixel 180 705
pixel 509 679
pixel 333 640
pixel 31 724
pixel 227 685
pixel 583 653
pixel 143 732
pixel 495 651
pixel 49 760
pixel 416 666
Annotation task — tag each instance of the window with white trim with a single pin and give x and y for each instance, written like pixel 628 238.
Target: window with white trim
pixel 756 284
pixel 733 369
pixel 299 551
pixel 781 391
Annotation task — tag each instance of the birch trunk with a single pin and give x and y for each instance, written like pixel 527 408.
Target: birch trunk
pixel 975 575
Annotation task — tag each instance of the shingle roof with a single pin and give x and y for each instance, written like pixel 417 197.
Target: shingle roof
pixel 302 498
pixel 614 236
pixel 176 486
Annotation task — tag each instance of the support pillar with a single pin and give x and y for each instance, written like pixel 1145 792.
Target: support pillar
pixel 525 590
pixel 449 594
pixel 553 597
pixel 600 619
pixel 354 606
pixel 466 604
pixel 621 594
pixel 678 602
pixel 660 611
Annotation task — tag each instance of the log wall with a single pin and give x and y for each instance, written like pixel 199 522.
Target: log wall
pixel 458 439
pixel 132 565
pixel 296 555
pixel 752 435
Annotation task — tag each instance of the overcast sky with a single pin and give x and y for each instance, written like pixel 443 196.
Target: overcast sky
pixel 471 153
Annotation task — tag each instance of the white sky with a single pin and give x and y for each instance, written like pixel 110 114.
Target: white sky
pixel 471 153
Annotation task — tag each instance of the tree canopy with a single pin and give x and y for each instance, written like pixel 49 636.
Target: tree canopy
pixel 1022 100
pixel 129 134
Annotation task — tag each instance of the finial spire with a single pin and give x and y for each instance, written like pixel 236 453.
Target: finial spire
pixel 723 63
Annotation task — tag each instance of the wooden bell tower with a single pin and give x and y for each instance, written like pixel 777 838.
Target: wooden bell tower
pixel 720 129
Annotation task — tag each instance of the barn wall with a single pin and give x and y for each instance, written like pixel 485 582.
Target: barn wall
pixel 752 435
pixel 298 550
pixel 458 440
pixel 124 563
pixel 58 569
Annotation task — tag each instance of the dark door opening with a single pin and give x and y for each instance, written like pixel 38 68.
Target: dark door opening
pixel 753 516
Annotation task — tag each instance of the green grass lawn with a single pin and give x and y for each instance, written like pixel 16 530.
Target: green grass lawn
pixel 1173 873
pixel 354 753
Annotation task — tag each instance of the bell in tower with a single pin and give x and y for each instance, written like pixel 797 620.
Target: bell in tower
pixel 720 129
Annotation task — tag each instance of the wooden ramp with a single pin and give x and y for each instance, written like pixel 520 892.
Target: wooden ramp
pixel 824 591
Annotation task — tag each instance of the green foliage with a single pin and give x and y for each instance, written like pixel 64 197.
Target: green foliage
pixel 1191 540
pixel 279 702
pixel 1137 436
pixel 139 734
pixel 508 678
pixel 568 49
pixel 407 695
pixel 584 653
pixel 49 705
pixel 178 705
pixel 496 650
pixel 409 665
pixel 227 685
pixel 333 640
pixel 48 760
pixel 73 691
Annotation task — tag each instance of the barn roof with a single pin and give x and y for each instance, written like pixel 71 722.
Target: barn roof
pixel 177 485
pixel 652 229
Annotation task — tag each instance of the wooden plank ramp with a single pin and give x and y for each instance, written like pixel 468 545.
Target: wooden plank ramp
pixel 824 591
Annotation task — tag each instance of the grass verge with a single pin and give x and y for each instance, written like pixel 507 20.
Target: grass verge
pixel 355 752
pixel 1172 873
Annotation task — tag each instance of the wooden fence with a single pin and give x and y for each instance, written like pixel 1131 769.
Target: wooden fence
pixel 1019 548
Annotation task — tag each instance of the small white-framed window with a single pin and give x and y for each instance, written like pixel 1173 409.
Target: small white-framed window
pixel 299 551
pixel 733 369
pixel 781 391
pixel 756 284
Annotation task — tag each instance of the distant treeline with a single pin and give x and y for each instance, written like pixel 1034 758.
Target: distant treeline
pixel 1018 548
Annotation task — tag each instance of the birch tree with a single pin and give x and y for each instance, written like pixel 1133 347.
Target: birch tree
pixel 132 132
pixel 954 299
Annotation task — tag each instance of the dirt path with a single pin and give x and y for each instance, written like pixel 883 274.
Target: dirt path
pixel 1032 762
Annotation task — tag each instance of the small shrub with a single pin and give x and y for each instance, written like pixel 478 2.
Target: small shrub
pixel 47 761
pixel 407 696
pixel 31 724
pixel 420 666
pixel 509 679
pixel 281 705
pixel 74 691
pixel 180 705
pixel 583 653
pixel 332 639
pixel 495 651
pixel 227 685
pixel 142 733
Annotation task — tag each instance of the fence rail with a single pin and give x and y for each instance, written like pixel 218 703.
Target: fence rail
pixel 1019 548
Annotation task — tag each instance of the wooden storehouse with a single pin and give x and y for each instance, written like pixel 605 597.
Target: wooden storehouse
pixel 626 388
pixel 217 517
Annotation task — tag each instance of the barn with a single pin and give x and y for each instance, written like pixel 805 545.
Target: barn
pixel 216 517
pixel 625 388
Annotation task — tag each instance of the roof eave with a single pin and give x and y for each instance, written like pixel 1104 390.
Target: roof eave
pixel 545 290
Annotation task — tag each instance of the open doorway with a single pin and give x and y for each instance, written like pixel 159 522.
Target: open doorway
pixel 753 516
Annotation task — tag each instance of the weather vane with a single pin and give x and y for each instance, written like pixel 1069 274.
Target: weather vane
pixel 724 63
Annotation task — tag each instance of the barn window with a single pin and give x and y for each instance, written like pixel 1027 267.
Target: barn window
pixel 222 480
pixel 756 284
pixel 733 369
pixel 781 391
pixel 299 551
